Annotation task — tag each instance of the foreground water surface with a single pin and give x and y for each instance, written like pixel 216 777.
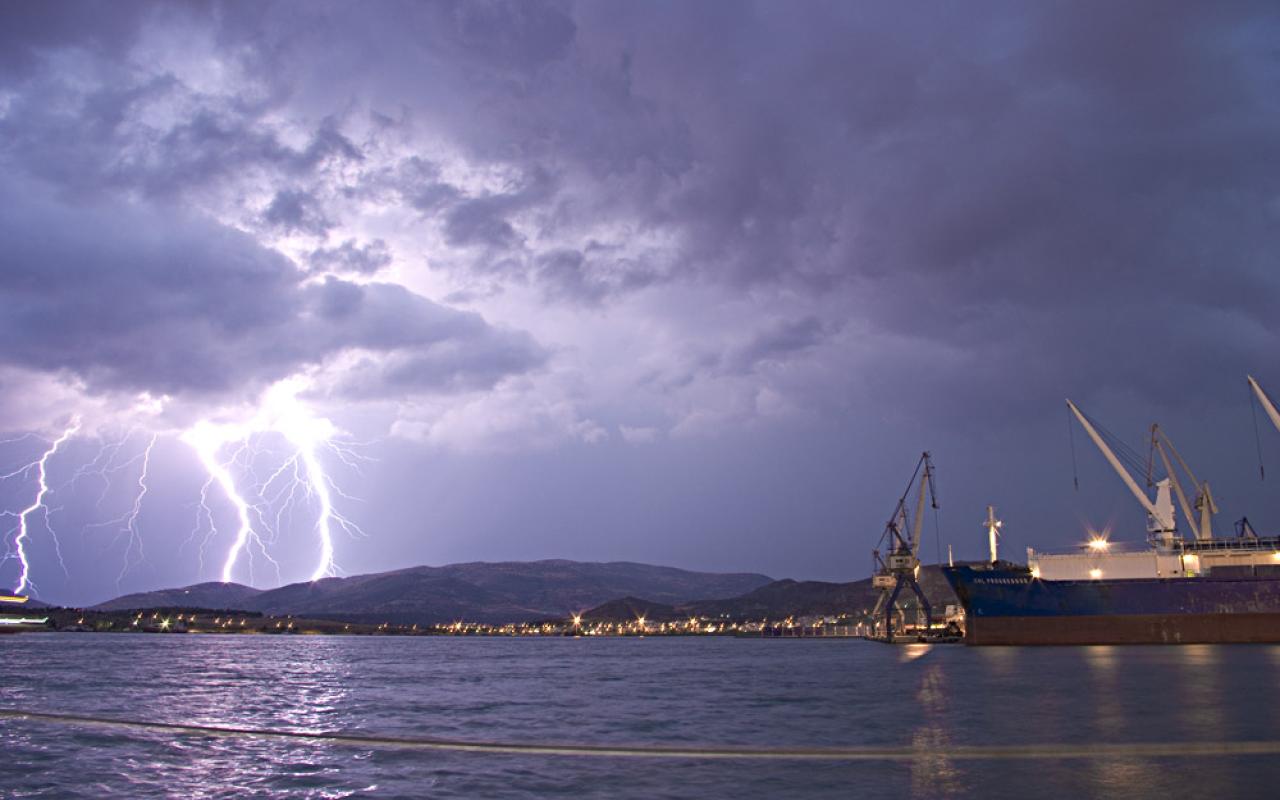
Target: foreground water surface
pixel 666 691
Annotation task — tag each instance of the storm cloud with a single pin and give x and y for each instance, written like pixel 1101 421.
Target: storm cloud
pixel 701 254
pixel 139 299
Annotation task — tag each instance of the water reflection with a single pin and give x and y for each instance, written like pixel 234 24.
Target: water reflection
pixel 933 774
pixel 910 652
pixel 1111 720
pixel 999 662
pixel 297 684
pixel 1199 697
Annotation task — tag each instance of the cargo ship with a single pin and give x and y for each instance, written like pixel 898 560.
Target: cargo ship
pixel 1174 590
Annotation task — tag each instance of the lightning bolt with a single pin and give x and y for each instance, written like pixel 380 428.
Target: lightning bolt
pixel 231 450
pixel 131 519
pixel 207 440
pixel 24 530
pixel 283 413
pixel 126 523
pixel 319 483
pixel 104 465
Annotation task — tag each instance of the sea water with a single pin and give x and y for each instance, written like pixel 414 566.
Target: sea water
pixel 690 692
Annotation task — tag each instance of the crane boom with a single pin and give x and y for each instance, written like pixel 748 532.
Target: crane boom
pixel 1267 405
pixel 1177 485
pixel 1201 523
pixel 1116 465
pixel 917 529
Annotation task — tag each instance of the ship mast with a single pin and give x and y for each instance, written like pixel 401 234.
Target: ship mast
pixel 1160 513
pixel 993 533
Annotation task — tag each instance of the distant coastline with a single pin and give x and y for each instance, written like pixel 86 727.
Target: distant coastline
pixel 539 598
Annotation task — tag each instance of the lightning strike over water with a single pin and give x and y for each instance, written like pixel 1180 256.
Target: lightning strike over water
pixel 41 467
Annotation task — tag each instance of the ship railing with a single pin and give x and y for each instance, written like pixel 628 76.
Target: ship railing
pixel 1113 548
pixel 1251 543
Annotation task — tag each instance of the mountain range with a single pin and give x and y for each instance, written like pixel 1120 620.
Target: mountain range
pixel 478 592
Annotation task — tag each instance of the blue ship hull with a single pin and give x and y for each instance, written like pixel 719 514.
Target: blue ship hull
pixel 1005 605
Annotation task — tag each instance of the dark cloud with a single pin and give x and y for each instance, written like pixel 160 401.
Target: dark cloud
pixel 31 30
pixel 135 298
pixel 484 220
pixel 946 173
pixel 779 343
pixel 366 259
pixel 293 211
pixel 589 277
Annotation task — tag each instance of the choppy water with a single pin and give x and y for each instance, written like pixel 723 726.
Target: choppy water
pixel 690 692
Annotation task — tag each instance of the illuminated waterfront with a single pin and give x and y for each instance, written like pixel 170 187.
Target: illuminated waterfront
pixel 674 691
pixel 239 622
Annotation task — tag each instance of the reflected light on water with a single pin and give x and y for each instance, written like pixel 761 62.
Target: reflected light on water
pixel 299 687
pixel 910 652
pixel 933 774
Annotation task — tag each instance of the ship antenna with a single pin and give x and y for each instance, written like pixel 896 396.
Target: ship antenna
pixel 1257 437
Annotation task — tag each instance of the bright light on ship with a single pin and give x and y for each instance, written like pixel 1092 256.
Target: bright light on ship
pixel 1099 545
pixel 1035 572
pixel 1095 573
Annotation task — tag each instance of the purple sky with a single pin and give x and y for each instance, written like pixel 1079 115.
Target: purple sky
pixel 685 283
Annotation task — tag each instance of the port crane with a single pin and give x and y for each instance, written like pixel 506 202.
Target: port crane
pixel 1161 526
pixel 899 568
pixel 1201 522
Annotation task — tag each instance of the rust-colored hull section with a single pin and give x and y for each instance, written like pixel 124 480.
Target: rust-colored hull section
pixel 1125 629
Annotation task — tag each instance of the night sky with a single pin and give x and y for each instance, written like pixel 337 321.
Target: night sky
pixel 683 283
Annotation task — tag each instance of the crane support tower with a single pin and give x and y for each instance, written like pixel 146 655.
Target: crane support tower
pixel 899 567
